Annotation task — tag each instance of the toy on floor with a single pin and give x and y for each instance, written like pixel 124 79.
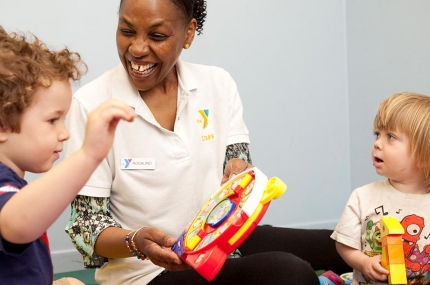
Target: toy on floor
pixel 392 250
pixel 226 220
pixel 330 278
pixel 347 278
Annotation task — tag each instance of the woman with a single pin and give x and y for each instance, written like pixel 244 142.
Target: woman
pixel 164 166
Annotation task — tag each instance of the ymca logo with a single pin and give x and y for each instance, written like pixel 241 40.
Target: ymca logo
pixel 127 162
pixel 147 163
pixel 205 115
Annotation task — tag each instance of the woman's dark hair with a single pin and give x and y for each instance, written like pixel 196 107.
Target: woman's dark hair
pixel 191 9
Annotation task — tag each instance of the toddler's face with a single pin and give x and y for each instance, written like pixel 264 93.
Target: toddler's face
pixel 391 156
pixel 39 143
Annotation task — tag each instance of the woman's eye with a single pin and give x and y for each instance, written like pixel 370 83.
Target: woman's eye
pixel 126 32
pixel 158 37
pixel 51 121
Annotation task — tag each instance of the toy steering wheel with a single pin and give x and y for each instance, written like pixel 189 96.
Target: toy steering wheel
pixel 226 220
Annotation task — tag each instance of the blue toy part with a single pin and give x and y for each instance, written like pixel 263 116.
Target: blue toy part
pixel 325 281
pixel 220 213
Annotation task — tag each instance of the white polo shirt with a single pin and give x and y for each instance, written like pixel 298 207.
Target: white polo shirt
pixel 155 177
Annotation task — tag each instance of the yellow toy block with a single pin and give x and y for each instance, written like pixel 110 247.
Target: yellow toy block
pixel 397 274
pixel 391 226
pixel 393 258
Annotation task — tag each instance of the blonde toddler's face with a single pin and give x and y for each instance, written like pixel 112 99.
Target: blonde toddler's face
pixel 392 159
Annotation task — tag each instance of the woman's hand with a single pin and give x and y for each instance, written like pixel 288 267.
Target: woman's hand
pixel 157 247
pixel 233 167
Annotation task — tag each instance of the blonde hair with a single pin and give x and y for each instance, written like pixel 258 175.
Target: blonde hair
pixel 25 66
pixel 409 113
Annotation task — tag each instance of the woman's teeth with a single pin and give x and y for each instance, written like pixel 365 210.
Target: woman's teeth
pixel 143 69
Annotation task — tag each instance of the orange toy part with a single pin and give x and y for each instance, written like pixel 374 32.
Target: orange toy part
pixel 392 250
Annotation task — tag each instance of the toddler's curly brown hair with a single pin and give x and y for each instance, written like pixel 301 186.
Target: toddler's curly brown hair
pixel 27 64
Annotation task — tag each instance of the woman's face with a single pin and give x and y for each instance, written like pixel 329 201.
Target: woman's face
pixel 150 38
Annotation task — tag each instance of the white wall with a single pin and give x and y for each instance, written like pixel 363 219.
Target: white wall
pixel 289 61
pixel 388 52
pixel 310 72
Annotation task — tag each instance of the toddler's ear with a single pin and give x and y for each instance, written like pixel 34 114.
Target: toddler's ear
pixel 4 133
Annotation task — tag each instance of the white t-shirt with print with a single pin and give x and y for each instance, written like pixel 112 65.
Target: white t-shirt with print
pixel 359 225
pixel 155 177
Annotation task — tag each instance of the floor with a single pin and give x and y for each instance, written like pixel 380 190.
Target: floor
pixel 85 275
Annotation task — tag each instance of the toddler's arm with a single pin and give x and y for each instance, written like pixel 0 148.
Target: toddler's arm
pixel 369 266
pixel 31 211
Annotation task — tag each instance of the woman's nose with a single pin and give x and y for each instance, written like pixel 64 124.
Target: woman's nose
pixel 139 48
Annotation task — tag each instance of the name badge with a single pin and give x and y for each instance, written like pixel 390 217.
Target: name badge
pixel 137 163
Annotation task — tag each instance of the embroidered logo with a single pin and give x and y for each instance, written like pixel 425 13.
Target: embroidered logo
pixel 205 115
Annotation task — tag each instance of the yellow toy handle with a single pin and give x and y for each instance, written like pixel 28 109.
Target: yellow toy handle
pixel 274 189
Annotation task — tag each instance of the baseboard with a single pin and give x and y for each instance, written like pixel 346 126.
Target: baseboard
pixel 328 225
pixel 67 260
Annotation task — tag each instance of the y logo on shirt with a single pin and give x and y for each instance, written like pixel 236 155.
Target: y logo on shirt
pixel 205 115
pixel 127 162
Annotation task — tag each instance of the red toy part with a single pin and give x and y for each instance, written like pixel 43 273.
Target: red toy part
pixel 333 277
pixel 226 220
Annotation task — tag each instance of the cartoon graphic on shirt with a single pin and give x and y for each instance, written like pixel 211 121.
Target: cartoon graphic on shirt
pixel 417 255
pixel 416 261
pixel 373 239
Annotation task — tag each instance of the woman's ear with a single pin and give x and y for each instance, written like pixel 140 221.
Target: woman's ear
pixel 190 32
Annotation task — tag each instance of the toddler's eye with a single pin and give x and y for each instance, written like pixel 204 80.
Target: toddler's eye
pixel 376 134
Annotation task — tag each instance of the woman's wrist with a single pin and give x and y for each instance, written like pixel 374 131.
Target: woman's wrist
pixel 131 245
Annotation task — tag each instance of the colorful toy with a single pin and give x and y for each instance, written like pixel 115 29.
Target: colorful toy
pixel 347 278
pixel 393 258
pixel 226 220
pixel 325 281
pixel 330 278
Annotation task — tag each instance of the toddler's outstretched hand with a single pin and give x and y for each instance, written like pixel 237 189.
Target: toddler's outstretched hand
pixel 101 126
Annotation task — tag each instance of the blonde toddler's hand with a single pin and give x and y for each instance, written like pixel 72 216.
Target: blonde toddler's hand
pixel 373 270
